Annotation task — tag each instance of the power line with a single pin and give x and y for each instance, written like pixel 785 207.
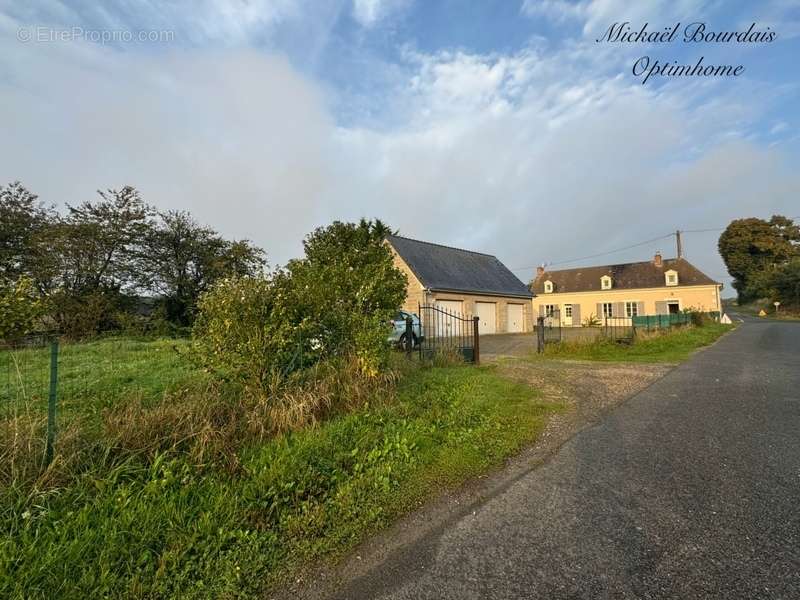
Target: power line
pixel 565 262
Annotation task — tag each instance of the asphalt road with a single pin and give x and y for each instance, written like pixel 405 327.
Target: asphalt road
pixel 691 489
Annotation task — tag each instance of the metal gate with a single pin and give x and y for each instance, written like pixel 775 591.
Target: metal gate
pixel 548 326
pixel 448 331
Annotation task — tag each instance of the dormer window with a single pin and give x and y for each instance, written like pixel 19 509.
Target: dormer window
pixel 548 287
pixel 671 277
pixel 605 282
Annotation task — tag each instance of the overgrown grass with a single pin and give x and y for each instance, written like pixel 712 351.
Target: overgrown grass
pixel 673 346
pixel 164 525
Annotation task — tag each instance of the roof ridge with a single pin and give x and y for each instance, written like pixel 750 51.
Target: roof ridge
pixel 402 237
pixel 638 262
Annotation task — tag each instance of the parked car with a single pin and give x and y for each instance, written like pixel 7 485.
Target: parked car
pixel 398 333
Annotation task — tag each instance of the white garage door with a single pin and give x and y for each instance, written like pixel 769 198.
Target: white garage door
pixel 487 313
pixel 443 325
pixel 515 315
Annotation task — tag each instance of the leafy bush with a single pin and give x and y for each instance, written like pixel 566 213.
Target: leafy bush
pixel 786 284
pixel 244 332
pixel 332 304
pixel 20 308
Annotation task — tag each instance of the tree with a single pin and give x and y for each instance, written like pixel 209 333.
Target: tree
pixel 753 249
pixel 786 284
pixel 23 220
pixel 93 259
pixel 180 260
pixel 347 287
pixel 332 304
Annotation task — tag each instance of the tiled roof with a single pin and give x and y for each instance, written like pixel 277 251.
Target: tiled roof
pixel 625 276
pixel 442 268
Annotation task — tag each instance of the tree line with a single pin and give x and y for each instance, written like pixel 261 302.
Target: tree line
pixel 108 263
pixel 763 257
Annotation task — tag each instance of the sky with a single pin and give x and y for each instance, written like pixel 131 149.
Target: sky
pixel 500 126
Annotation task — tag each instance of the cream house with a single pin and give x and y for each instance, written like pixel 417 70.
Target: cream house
pixel 464 282
pixel 658 286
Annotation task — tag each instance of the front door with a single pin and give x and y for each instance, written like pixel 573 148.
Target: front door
pixel 568 315
pixel 674 307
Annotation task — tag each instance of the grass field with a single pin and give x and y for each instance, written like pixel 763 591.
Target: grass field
pixel 97 374
pixel 673 346
pixel 132 524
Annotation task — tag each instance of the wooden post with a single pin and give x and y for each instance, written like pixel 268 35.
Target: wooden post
pixel 477 345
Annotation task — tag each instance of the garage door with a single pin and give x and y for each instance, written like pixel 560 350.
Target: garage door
pixel 487 313
pixel 444 326
pixel 515 315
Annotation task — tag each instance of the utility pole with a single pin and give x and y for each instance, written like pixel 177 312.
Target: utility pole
pixel 678 242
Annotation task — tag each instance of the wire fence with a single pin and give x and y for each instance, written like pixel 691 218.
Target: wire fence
pixel 49 379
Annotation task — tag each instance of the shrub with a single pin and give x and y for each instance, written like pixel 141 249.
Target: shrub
pixel 20 308
pixel 332 304
pixel 245 332
pixel 591 321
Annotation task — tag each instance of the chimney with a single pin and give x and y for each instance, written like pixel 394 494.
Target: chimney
pixel 540 270
pixel 657 259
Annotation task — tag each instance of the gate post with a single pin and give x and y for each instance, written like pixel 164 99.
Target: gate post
pixel 476 351
pixel 540 334
pixel 409 336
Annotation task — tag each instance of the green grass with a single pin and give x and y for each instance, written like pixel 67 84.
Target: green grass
pixel 164 528
pixel 675 346
pixel 95 375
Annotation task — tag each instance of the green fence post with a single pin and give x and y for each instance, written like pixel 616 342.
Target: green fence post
pixel 51 402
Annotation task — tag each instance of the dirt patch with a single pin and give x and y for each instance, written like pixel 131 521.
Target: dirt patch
pixel 588 391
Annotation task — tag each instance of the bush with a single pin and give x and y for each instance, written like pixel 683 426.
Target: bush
pixel 243 331
pixel 331 305
pixel 20 308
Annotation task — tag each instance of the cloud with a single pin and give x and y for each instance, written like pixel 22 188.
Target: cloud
pixel 370 12
pixel 535 155
pixel 597 15
pixel 194 22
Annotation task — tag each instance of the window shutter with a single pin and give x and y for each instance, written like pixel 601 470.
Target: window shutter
pixel 661 307
pixel 600 311
pixel 618 309
pixel 576 314
pixel 541 310
pixel 640 308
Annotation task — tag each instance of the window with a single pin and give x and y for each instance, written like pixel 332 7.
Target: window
pixel 548 287
pixel 631 309
pixel 671 277
pixel 608 310
pixel 605 282
pixel 549 310
pixel 568 311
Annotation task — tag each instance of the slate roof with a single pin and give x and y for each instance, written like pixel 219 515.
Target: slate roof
pixel 625 276
pixel 442 268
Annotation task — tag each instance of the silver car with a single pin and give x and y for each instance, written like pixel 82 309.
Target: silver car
pixel 398 333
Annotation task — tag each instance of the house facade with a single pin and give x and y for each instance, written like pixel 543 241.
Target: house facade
pixel 656 287
pixel 464 282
